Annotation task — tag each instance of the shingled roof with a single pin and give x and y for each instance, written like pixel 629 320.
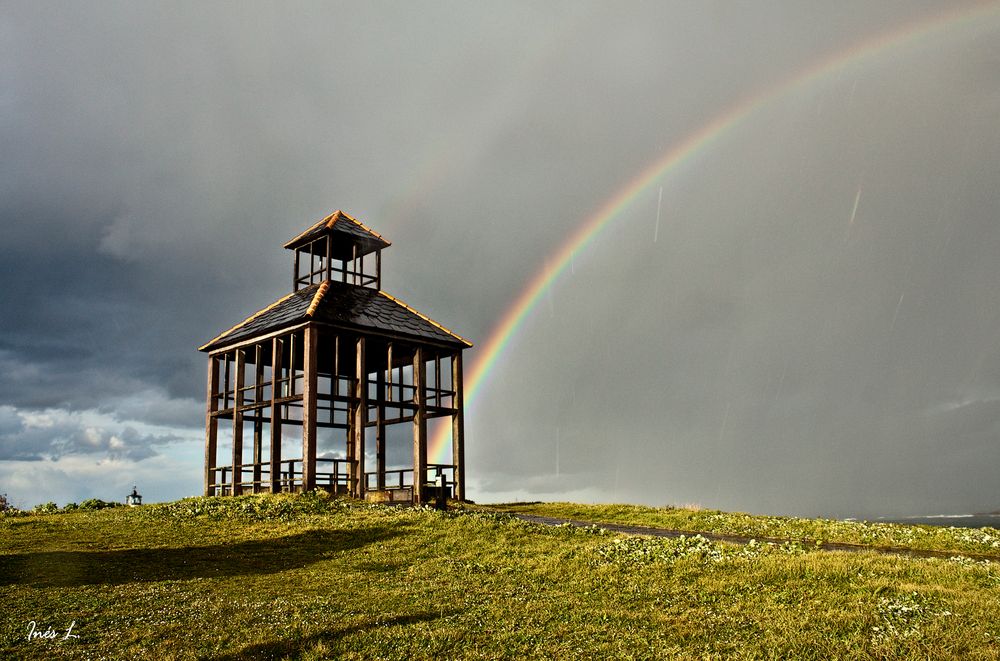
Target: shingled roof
pixel 340 222
pixel 342 305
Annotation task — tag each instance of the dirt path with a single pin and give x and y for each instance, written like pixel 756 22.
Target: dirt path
pixel 741 539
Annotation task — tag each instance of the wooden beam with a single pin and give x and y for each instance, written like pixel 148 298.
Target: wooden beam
pixel 360 420
pixel 281 332
pixel 378 269
pixel 419 428
pixel 309 407
pixel 211 425
pixel 458 426
pixel 238 422
pixel 277 346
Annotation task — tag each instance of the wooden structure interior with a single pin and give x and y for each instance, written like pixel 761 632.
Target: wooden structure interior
pixel 308 392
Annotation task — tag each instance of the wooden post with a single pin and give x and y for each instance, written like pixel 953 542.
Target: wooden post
pixel 389 378
pixel 419 428
pixel 291 366
pixel 360 419
pixel 437 379
pixel 211 425
pixel 380 431
pixel 349 437
pixel 275 459
pixel 238 422
pixel 258 422
pixel 458 426
pixel 295 278
pixel 335 386
pixel 329 263
pixel 378 273
pixel 309 408
pixel 312 264
pixel 225 381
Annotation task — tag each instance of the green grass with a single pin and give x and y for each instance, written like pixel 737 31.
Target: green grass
pixel 309 577
pixel 977 541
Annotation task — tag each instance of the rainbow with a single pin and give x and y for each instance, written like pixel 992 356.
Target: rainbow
pixel 701 139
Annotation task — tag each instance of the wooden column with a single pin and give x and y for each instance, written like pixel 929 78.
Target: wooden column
pixel 258 422
pixel 309 407
pixel 329 263
pixel 312 263
pixel 275 459
pixel 458 426
pixel 389 373
pixel 380 431
pixel 360 420
pixel 419 428
pixel 238 422
pixel 335 396
pixel 295 278
pixel 437 379
pixel 225 381
pixel 211 425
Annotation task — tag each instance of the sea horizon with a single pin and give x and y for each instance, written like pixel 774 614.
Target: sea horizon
pixel 976 520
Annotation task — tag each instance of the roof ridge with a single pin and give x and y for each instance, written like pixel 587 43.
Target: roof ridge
pixel 329 221
pixel 357 222
pixel 332 219
pixel 247 320
pixel 425 317
pixel 320 293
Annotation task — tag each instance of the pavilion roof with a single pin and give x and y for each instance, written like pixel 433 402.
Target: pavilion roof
pixel 342 305
pixel 340 222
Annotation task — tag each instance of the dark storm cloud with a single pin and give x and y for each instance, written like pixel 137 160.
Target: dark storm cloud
pixel 764 353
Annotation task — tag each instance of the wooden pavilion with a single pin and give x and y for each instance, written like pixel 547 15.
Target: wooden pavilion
pixel 333 366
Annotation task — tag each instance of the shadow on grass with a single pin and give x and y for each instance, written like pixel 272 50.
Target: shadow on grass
pixel 295 648
pixel 74 568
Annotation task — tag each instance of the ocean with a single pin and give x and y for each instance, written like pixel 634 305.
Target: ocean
pixel 956 520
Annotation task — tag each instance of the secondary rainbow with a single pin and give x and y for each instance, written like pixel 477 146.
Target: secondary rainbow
pixel 702 138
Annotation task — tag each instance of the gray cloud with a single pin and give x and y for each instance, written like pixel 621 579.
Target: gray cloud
pixel 53 434
pixel 765 353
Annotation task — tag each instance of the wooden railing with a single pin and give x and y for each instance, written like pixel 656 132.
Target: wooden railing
pixel 335 479
pixel 403 478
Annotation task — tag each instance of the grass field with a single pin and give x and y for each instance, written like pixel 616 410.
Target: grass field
pixel 970 541
pixel 310 577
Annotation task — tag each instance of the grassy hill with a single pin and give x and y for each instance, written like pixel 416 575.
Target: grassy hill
pixel 310 577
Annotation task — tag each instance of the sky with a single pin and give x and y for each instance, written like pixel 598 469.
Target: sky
pixel 797 317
